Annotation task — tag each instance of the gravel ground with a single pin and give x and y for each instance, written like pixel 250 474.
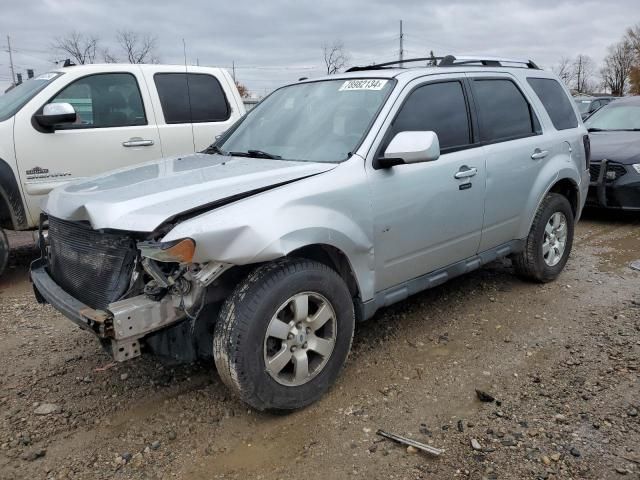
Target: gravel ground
pixel 562 361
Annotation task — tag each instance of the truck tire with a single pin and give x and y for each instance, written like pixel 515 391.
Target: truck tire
pixel 284 334
pixel 4 251
pixel 549 242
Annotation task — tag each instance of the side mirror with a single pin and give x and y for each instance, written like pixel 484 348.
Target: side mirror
pixel 55 114
pixel 411 147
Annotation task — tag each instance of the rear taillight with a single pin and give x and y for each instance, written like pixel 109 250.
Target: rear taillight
pixel 587 151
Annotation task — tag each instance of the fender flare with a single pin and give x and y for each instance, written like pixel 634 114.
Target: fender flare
pixel 11 197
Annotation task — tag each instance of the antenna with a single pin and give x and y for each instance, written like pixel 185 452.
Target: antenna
pixel 186 77
pixel 13 72
pixel 401 52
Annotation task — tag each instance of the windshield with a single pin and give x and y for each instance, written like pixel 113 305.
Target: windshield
pixel 616 117
pixel 317 121
pixel 583 105
pixel 17 97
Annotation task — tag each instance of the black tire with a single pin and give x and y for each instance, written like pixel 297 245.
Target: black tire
pixel 4 251
pixel 530 263
pixel 239 335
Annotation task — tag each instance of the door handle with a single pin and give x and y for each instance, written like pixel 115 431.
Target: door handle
pixel 539 154
pixel 466 172
pixel 137 142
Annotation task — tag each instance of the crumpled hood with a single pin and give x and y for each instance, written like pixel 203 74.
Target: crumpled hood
pixel 142 197
pixel 622 147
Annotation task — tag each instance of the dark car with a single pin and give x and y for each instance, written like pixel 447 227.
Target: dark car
pixel 614 131
pixel 588 105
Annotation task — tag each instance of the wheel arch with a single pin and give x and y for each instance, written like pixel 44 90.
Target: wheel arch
pixel 334 258
pixel 13 214
pixel 564 181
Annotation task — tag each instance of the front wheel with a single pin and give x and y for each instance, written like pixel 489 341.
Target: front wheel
pixel 284 335
pixel 549 242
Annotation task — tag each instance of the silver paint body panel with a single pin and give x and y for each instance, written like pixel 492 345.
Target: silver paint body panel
pixel 394 226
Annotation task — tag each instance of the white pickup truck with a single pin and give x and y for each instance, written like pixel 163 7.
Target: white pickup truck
pixel 82 120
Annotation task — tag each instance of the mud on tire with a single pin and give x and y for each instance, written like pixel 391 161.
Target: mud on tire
pixel 250 333
pixel 534 263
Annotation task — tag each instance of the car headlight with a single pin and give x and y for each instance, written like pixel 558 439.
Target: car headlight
pixel 636 167
pixel 179 251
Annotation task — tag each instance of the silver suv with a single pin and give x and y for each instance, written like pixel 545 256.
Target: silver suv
pixel 329 200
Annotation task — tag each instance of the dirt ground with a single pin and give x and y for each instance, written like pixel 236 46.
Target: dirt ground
pixel 562 360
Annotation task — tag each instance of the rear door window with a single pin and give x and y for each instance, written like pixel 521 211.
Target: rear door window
pixel 503 111
pixel 555 101
pixel 191 98
pixel 439 107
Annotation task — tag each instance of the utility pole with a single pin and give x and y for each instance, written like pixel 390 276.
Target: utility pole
pixel 13 72
pixel 401 52
pixel 233 70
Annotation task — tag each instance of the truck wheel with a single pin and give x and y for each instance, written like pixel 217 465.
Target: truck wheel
pixel 284 334
pixel 549 242
pixel 4 251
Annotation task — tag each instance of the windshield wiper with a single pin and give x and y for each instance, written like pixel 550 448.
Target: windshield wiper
pixel 212 149
pixel 256 154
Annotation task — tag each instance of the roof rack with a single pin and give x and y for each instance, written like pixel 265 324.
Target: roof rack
pixel 451 61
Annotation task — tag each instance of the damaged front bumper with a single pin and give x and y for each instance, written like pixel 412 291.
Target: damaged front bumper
pixel 614 185
pixel 122 325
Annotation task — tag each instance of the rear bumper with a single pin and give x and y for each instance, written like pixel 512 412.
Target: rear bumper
pixel 622 193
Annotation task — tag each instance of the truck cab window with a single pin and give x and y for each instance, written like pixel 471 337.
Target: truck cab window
pixel 104 100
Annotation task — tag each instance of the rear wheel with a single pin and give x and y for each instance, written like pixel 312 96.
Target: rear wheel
pixel 549 242
pixel 4 251
pixel 283 336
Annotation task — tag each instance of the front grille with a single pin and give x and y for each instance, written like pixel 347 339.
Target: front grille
pixel 594 170
pixel 92 266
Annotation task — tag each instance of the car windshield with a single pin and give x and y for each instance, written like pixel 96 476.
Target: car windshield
pixel 616 117
pixel 321 121
pixel 583 105
pixel 17 97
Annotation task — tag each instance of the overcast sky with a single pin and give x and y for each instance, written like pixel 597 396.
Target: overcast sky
pixel 273 42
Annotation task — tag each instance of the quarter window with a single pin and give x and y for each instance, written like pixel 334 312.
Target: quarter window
pixel 438 107
pixel 191 98
pixel 104 100
pixel 503 111
pixel 555 101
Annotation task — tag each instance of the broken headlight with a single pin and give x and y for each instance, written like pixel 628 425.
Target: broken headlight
pixel 178 251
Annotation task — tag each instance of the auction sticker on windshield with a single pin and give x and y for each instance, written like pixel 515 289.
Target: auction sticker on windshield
pixel 363 84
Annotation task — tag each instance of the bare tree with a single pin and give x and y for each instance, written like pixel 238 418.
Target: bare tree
pixel 564 70
pixel 137 48
pixel 335 58
pixel 583 71
pixel 80 47
pixel 633 37
pixel 617 67
pixel 242 90
pixel 108 57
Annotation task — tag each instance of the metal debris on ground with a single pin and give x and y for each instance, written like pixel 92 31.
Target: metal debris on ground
pixel 411 443
pixel 635 265
pixel 484 396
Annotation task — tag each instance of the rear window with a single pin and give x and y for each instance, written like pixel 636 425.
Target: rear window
pixel 555 102
pixel 504 112
pixel 191 98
